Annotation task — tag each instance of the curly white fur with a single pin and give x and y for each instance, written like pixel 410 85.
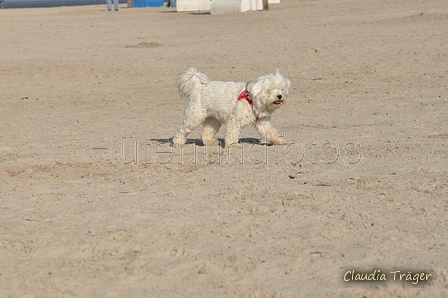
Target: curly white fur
pixel 212 103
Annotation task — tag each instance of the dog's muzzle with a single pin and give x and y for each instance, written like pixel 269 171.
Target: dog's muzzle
pixel 279 101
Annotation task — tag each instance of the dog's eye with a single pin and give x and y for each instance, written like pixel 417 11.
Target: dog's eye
pixel 279 96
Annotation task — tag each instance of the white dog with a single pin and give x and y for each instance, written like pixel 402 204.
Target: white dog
pixel 236 104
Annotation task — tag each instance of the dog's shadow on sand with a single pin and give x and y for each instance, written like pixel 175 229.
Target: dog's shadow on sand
pixel 198 142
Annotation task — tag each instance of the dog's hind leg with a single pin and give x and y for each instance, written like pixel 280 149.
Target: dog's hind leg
pixel 211 127
pixel 188 125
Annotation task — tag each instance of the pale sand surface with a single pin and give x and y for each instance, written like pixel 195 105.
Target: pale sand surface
pixel 369 79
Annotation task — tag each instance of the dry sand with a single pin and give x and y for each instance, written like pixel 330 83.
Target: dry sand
pixel 90 207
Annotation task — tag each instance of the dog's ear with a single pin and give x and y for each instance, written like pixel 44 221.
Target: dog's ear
pixel 260 88
pixel 287 81
pixel 288 84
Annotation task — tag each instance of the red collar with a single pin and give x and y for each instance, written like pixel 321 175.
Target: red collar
pixel 245 95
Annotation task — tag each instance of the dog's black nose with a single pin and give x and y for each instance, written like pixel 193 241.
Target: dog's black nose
pixel 279 96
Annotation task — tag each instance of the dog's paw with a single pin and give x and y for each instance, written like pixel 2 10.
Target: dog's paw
pixel 211 142
pixel 177 144
pixel 278 141
pixel 178 141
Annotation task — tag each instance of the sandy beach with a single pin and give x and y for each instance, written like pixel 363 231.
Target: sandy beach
pixel 94 201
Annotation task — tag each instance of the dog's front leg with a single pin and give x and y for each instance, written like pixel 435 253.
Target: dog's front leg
pixel 233 132
pixel 268 132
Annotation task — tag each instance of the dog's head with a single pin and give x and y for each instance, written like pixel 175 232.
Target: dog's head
pixel 269 92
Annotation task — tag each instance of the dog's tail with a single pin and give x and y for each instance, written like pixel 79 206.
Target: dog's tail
pixel 189 81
